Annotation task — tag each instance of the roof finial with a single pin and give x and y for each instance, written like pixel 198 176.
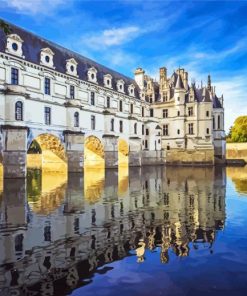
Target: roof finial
pixel 209 82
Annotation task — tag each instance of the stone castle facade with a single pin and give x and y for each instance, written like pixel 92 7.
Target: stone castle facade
pixel 46 89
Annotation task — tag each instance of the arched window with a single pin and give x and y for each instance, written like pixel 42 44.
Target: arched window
pixel 112 124
pixel 76 119
pixel 135 128
pixel 19 111
pixel 218 121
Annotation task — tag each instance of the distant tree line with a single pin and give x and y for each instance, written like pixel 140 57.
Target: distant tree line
pixel 238 132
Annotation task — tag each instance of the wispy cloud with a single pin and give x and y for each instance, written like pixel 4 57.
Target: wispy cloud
pixel 32 7
pixel 112 37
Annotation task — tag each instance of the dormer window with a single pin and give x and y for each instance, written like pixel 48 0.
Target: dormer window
pixel 131 89
pixel 92 75
pixel 46 57
pixel 14 45
pixel 108 80
pixel 71 67
pixel 120 85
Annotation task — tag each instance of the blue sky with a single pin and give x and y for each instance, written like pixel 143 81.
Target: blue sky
pixel 201 36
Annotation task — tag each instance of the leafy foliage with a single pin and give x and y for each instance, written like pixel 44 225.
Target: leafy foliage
pixel 238 133
pixel 5 27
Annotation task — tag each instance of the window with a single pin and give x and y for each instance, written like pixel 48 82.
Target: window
pixel 19 111
pixel 178 113
pixel 131 108
pixel 207 113
pixel 147 131
pixel 151 112
pixel 165 98
pixel 190 111
pixel 93 122
pixel 108 102
pixel 120 106
pixel 14 46
pixel 218 121
pixel 112 125
pixel 165 113
pixel 178 98
pixel 47 115
pixel 178 131
pixel 14 76
pixel 47 59
pixel 47 86
pixel 76 119
pixel 207 131
pixel 143 129
pixel 191 129
pixel 165 130
pixel 120 126
pixel 92 98
pixel 167 147
pixel 142 111
pixel 135 128
pixel 151 99
pixel 213 122
pixel 146 144
pixel 72 91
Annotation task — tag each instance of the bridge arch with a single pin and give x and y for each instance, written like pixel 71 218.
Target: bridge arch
pixel 94 156
pixel 46 151
pixel 123 153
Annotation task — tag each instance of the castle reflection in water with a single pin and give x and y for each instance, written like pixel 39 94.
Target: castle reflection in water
pixel 55 232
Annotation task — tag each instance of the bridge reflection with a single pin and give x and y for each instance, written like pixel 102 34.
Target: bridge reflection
pixel 53 238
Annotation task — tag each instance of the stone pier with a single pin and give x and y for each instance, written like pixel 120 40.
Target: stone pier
pixel 135 153
pixel 14 151
pixel 111 151
pixel 74 143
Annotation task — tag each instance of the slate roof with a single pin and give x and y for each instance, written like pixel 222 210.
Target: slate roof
pixel 33 44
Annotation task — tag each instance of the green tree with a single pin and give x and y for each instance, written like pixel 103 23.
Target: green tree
pixel 5 27
pixel 239 130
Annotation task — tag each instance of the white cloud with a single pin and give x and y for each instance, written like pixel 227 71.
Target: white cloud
pixel 33 7
pixel 112 37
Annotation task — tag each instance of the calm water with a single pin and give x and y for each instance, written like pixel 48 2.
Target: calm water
pixel 152 231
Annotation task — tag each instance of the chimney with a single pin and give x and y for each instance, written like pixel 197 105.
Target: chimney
pixel 163 73
pixel 139 77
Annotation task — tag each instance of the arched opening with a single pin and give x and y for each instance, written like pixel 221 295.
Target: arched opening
pixel 46 152
pixel 94 169
pixel 123 153
pixel 123 167
pixel 93 153
pixel 45 191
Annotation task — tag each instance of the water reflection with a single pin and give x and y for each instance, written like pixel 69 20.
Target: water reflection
pixel 45 191
pixel 239 178
pixel 56 234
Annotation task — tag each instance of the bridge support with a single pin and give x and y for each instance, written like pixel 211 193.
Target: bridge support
pixel 75 151
pixel 135 153
pixel 111 151
pixel 14 151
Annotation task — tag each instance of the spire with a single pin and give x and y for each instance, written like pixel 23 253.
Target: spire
pixel 179 82
pixel 209 82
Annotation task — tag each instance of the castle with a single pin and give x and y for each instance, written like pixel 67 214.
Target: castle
pixel 85 113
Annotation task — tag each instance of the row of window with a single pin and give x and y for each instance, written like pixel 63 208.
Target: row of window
pixel 190 130
pixel 190 112
pixel 47 89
